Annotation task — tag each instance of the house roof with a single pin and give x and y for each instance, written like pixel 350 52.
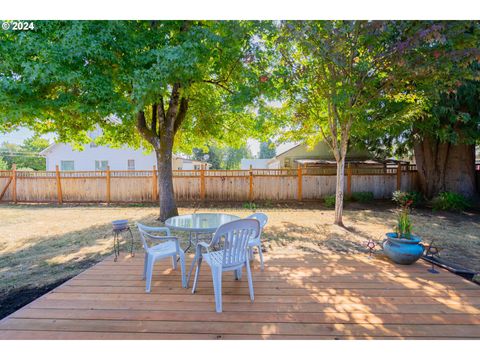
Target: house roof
pixel 286 151
pixel 48 149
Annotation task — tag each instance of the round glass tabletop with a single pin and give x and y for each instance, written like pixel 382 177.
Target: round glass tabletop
pixel 199 222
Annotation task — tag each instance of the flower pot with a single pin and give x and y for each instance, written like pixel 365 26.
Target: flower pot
pixel 401 250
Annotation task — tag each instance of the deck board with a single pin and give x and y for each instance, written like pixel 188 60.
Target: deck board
pixel 298 296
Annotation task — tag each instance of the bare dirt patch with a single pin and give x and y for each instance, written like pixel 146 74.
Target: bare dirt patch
pixel 45 245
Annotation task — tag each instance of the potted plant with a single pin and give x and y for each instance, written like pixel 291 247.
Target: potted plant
pixel 402 246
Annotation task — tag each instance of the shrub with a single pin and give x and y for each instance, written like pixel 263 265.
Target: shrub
pixel 363 196
pixel 329 200
pixel 402 198
pixel 250 205
pixel 449 200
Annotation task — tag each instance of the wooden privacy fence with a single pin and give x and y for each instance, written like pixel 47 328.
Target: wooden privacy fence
pixel 138 186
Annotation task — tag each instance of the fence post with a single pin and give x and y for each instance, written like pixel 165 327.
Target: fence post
pixel 250 192
pixel 154 184
pixel 300 182
pixel 399 176
pixel 202 182
pixel 108 185
pixel 14 183
pixel 59 185
pixel 349 180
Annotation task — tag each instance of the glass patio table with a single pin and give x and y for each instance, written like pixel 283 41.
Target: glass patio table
pixel 196 224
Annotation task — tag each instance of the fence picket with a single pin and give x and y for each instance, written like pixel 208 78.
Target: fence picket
pixel 211 185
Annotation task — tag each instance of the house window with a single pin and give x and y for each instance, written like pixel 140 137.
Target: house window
pixel 131 164
pixel 67 165
pixel 101 165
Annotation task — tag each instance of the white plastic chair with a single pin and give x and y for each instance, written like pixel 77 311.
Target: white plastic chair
pixel 256 242
pixel 169 246
pixel 232 238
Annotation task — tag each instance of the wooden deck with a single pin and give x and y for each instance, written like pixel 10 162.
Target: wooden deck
pixel 301 296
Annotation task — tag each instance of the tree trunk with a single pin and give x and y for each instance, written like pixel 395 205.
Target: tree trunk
pixel 445 167
pixel 339 191
pixel 166 195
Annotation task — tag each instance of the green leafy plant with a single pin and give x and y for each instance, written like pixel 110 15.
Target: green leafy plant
pixel 451 201
pixel 402 197
pixel 362 196
pixel 404 223
pixel 329 200
pixel 250 206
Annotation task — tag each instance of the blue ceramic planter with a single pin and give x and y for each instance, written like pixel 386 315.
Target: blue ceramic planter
pixel 403 251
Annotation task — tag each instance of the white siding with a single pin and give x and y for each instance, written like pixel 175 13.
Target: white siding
pixel 85 160
pixel 256 164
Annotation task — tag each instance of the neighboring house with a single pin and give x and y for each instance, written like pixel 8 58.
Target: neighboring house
pixel 254 163
pixel 96 157
pixel 301 155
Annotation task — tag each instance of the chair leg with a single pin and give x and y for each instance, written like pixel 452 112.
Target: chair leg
pixel 145 266
pixel 238 274
pixel 150 264
pixel 250 281
pixel 197 273
pixel 217 288
pixel 261 256
pixel 182 268
pixel 174 262
pixel 250 253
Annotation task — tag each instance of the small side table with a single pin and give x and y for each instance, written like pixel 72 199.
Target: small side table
pixel 119 230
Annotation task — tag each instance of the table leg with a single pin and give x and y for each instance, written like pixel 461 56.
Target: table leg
pixel 189 242
pixel 116 249
pixel 191 269
pixel 132 254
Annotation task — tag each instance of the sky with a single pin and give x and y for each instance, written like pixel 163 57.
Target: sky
pixel 17 137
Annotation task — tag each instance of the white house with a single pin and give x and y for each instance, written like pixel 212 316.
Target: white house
pixel 255 163
pixel 96 157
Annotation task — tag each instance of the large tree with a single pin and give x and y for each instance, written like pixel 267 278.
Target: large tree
pixel 334 71
pixel 442 126
pixel 176 82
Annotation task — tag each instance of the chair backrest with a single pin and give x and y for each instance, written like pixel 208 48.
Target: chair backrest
pixel 145 233
pixel 233 238
pixel 261 217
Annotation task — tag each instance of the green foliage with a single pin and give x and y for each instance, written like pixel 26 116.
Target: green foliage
pixel 412 198
pixel 441 77
pixel 329 200
pixel 267 150
pixel 362 196
pixel 70 76
pixel 250 206
pixel 404 224
pixel 3 164
pixel 451 201
pixel 25 155
pixel 224 158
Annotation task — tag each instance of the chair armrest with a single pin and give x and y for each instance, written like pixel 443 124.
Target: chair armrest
pixel 153 238
pixel 154 229
pixel 203 244
pixel 200 245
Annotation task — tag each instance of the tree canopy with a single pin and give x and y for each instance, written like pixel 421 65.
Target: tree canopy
pixel 178 83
